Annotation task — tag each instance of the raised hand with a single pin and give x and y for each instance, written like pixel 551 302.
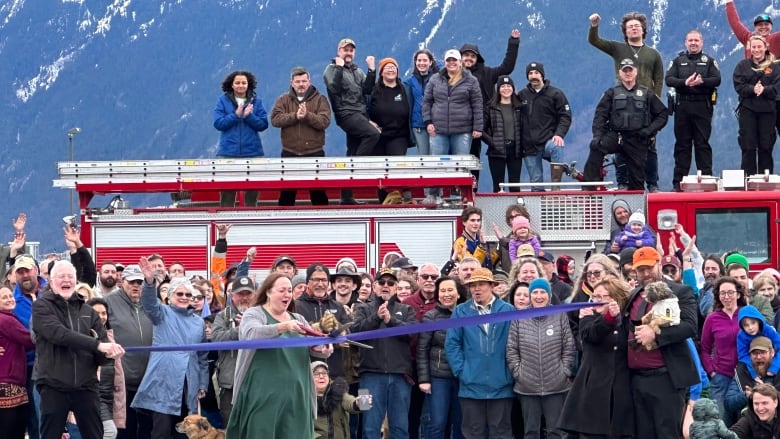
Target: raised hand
pixel 19 222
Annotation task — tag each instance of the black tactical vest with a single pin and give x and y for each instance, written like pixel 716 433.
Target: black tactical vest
pixel 629 108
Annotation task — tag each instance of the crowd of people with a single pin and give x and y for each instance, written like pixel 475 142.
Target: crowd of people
pixel 629 365
pixel 454 104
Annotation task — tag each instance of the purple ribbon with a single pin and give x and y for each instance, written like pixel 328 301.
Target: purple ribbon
pixel 275 343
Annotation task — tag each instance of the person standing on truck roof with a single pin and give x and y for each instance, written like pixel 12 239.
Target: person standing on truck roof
pixel 239 116
pixel 302 114
pixel 651 74
pixel 344 81
pixel 626 120
pixel 695 78
pixel 754 81
pixel 546 120
pixel 473 61
pixel 762 25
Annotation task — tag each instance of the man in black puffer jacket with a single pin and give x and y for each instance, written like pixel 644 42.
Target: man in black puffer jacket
pixel 487 76
pixel 70 344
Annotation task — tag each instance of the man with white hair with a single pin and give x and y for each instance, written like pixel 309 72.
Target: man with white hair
pixel 71 343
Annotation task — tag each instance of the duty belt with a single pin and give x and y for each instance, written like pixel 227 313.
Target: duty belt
pixel 694 97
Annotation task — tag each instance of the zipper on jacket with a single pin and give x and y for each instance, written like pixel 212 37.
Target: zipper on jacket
pixel 70 319
pixel 138 319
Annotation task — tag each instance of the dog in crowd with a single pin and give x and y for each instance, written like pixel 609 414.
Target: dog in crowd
pixel 665 312
pixel 198 427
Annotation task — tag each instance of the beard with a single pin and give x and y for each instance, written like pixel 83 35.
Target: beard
pixel 109 282
pixel 761 369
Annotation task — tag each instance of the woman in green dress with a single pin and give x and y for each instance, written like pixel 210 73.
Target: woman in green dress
pixel 273 394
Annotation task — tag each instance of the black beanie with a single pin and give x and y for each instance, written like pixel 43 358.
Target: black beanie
pixel 504 79
pixel 539 67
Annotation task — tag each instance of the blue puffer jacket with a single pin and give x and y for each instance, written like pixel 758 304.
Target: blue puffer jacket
pixel 239 135
pixel 163 383
pixel 478 357
pixel 416 84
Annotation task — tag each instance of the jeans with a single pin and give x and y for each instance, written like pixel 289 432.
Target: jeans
pixel 443 404
pixel 423 141
pixel 533 163
pixel 730 399
pixel 391 394
pixel 449 144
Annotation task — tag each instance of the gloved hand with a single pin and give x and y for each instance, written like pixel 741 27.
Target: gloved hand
pixel 646 133
pixel 328 323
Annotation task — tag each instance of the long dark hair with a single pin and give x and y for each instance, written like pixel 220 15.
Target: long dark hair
pixel 459 287
pixel 100 301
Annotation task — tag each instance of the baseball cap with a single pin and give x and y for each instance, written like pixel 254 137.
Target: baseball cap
pixel 283 258
pixel 316 364
pixel 386 272
pixel 243 283
pixel 452 53
pixel 525 250
pixel 627 62
pixel 670 260
pixel 761 343
pixel 347 41
pixel 132 272
pixel 762 18
pixel 546 256
pixel 646 257
pixel 404 264
pixel 24 261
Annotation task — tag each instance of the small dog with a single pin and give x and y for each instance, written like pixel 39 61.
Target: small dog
pixel 198 427
pixel 665 312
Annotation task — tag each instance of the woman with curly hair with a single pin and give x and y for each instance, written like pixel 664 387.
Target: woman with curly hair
pixel 239 116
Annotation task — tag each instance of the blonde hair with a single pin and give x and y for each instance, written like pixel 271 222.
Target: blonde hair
pixel 762 279
pixel 90 293
pixel 769 59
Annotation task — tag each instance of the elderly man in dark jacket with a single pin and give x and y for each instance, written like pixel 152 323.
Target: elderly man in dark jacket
pixel 487 76
pixel 385 369
pixel 71 343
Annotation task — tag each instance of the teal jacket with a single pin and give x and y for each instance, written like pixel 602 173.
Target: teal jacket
pixel 478 357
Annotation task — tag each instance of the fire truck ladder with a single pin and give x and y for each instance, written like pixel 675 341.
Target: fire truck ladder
pixel 208 175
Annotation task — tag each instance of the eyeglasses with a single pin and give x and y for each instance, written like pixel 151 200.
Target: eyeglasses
pixel 197 298
pixel 180 294
pixel 728 293
pixel 429 276
pixel 135 282
pixel 600 298
pixel 633 26
pixel 669 270
pixel 320 374
pixel 388 282
pixel 318 279
pixel 594 273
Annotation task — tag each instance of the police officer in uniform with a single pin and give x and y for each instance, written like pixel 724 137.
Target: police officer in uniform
pixel 627 118
pixel 695 78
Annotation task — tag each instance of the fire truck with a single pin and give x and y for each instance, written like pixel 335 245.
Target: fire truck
pixel 724 213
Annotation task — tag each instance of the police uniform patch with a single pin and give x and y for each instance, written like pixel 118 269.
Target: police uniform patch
pixel 671 63
pixel 567 107
pixel 639 93
pixel 704 58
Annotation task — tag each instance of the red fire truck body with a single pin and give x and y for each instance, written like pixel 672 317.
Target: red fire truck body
pixel 568 221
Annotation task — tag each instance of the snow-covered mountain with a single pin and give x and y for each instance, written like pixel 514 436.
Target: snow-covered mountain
pixel 140 78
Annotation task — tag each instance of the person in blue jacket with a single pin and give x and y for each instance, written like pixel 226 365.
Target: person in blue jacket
pixel 752 324
pixel 477 356
pixel 239 116
pixel 174 381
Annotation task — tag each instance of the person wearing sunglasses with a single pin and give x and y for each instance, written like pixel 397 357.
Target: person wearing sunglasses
pixel 596 268
pixel 132 327
pixel 174 381
pixel 385 368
